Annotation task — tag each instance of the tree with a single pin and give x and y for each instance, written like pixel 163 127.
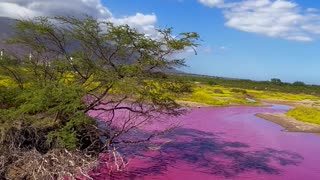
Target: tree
pixel 298 83
pixel 81 66
pixel 276 81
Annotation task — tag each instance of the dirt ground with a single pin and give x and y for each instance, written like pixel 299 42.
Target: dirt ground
pixel 290 124
pixel 303 103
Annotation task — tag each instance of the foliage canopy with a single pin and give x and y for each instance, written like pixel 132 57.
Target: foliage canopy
pixel 63 68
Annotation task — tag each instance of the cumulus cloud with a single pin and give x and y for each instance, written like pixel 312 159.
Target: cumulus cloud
pixel 143 23
pixel 274 18
pixel 13 10
pixel 31 8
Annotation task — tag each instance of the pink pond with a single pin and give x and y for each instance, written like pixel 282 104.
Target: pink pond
pixel 225 143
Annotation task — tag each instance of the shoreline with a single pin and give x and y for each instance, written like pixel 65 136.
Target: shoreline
pixel 294 104
pixel 190 104
pixel 290 124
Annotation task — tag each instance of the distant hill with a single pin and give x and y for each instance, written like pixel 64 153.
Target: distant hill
pixel 5 29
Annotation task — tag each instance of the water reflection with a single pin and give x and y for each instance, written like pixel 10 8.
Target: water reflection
pixel 204 152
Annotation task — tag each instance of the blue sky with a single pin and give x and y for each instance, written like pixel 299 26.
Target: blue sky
pixel 228 51
pixel 252 39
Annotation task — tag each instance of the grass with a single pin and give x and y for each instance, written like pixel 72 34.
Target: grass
pixel 222 96
pixel 216 96
pixel 310 115
pixel 269 95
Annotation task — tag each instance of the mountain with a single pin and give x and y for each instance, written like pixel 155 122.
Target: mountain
pixel 6 28
pixel 6 31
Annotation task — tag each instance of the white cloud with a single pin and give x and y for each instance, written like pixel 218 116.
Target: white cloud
pixel 213 49
pixel 300 38
pixel 31 8
pixel 274 18
pixel 211 3
pixel 143 23
pixel 15 11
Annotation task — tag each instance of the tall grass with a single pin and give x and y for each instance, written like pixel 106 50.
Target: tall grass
pixel 222 96
pixel 217 96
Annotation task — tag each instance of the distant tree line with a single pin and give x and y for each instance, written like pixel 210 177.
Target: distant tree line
pixel 274 84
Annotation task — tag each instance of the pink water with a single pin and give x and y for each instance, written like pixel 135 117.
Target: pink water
pixel 226 143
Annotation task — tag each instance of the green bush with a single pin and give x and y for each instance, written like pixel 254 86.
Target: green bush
pixel 242 91
pixel 211 83
pixel 218 91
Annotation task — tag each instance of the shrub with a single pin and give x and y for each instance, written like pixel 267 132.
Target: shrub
pixel 218 91
pixel 276 81
pixel 298 83
pixel 242 91
pixel 211 83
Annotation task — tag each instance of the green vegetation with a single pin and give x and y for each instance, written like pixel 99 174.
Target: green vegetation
pixel 275 85
pixel 6 81
pixel 222 96
pixel 222 92
pixel 310 115
pixel 217 96
pixel 242 91
pixel 79 66
pixel 276 81
pixel 270 95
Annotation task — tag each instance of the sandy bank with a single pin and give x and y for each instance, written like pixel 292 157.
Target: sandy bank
pixel 190 104
pixel 303 103
pixel 290 124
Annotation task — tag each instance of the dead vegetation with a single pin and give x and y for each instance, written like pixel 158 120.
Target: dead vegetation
pixel 25 155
